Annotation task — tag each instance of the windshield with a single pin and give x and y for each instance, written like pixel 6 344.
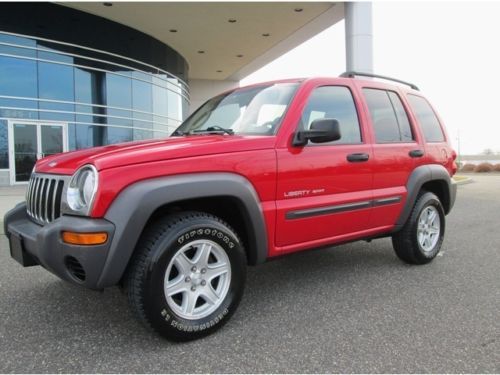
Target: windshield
pixel 252 111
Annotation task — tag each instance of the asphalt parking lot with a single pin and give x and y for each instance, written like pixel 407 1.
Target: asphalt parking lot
pixel 353 308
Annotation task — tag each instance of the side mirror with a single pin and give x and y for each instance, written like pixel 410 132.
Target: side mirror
pixel 322 130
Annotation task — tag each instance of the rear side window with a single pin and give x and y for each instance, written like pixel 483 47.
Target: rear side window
pixel 334 102
pixel 389 118
pixel 427 119
pixel 402 117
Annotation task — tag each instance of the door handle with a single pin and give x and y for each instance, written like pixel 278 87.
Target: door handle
pixel 416 153
pixel 358 157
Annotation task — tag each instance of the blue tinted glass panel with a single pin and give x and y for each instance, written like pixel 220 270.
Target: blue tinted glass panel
pixel 18 77
pixel 57 111
pixel 12 39
pixel 71 137
pixel 83 134
pixel 19 103
pixel 174 106
pixel 118 94
pixel 142 101
pixel 56 81
pixel 83 89
pixel 4 145
pixel 118 91
pixel 18 108
pixel 118 135
pixel 17 51
pixel 160 109
pixel 54 56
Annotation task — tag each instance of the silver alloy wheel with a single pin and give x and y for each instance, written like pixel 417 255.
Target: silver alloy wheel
pixel 429 228
pixel 197 279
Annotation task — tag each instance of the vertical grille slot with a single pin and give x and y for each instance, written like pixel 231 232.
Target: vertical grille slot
pixel 49 204
pixel 57 199
pixel 43 197
pixel 43 200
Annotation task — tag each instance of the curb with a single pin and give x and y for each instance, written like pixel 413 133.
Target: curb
pixel 464 181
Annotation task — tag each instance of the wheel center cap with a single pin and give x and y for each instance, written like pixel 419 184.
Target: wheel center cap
pixel 196 278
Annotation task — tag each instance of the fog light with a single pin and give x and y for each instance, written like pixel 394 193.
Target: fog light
pixel 73 238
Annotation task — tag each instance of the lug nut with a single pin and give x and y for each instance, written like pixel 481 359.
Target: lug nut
pixel 203 270
pixel 188 279
pixel 203 282
pixel 193 269
pixel 193 288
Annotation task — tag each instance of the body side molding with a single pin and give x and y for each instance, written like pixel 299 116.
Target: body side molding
pixel 327 210
pixel 133 207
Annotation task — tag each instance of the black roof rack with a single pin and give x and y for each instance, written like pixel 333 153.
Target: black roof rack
pixel 352 74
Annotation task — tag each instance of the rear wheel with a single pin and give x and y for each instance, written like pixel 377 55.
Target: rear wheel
pixel 187 275
pixel 420 240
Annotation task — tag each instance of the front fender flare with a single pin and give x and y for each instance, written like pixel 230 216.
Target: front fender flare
pixel 133 207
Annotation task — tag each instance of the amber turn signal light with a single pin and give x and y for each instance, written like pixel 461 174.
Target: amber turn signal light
pixel 73 238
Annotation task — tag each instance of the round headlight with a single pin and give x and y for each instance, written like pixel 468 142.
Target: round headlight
pixel 82 188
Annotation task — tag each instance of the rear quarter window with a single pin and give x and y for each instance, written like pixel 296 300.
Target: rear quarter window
pixel 426 118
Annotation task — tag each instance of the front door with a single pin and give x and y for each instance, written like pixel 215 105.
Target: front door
pixel 324 190
pixel 30 141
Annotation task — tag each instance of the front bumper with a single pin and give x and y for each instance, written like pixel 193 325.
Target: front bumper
pixel 32 244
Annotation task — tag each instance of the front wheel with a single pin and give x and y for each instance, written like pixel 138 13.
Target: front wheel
pixel 187 275
pixel 420 239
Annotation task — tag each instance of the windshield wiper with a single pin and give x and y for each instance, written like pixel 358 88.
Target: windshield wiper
pixel 214 130
pixel 178 133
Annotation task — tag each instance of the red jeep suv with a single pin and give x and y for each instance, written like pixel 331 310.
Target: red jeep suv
pixel 254 173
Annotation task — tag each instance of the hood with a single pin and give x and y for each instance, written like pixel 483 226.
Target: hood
pixel 149 151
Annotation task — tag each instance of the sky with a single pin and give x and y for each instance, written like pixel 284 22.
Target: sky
pixel 450 50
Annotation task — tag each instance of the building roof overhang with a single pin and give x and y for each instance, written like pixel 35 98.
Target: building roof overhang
pixel 223 40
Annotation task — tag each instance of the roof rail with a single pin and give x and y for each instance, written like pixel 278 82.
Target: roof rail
pixel 352 74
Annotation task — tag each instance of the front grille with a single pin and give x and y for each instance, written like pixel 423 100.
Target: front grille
pixel 43 197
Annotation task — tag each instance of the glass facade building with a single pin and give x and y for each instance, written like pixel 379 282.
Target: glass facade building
pixel 71 80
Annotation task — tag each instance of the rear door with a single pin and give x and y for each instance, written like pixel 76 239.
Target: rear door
pixel 324 189
pixel 397 150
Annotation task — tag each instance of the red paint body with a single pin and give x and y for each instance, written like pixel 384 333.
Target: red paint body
pixel 275 168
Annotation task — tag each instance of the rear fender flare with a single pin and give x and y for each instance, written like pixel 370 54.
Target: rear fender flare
pixel 419 176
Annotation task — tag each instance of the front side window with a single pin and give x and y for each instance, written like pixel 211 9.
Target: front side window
pixel 251 111
pixel 334 102
pixel 389 118
pixel 426 118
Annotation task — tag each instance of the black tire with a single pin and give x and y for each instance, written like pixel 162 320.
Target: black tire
pixel 406 243
pixel 146 275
